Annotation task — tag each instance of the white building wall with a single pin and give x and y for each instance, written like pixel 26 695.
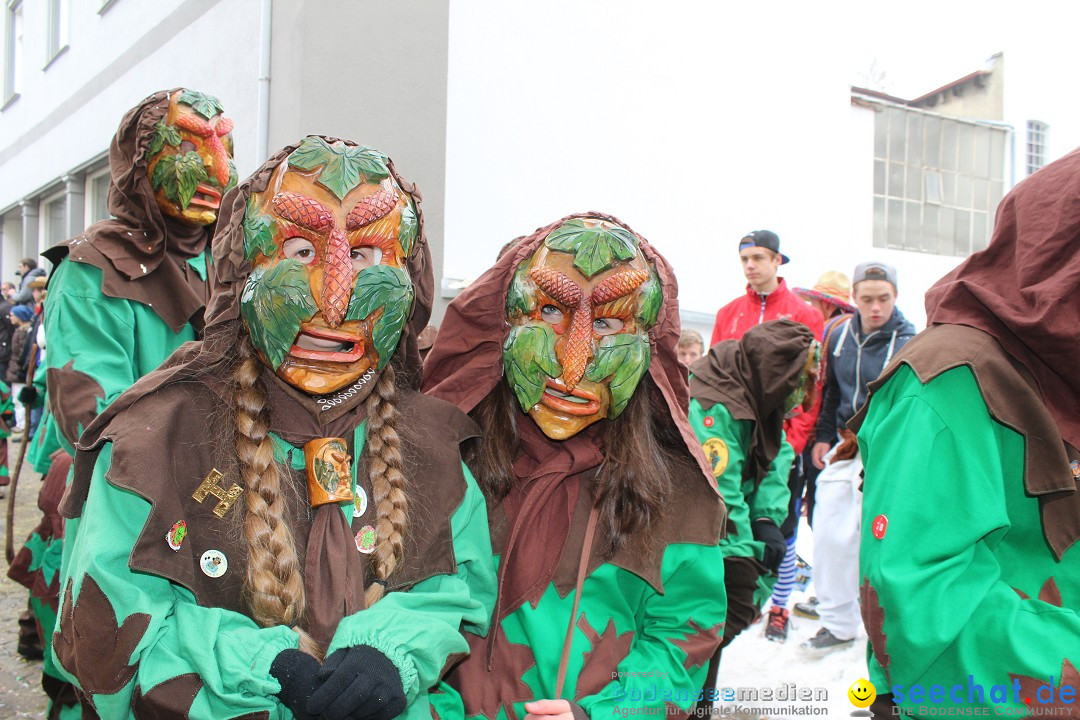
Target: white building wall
pixel 68 113
pixel 1041 86
pixel 689 128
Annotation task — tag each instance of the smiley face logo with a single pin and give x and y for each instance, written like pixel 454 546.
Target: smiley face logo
pixel 862 693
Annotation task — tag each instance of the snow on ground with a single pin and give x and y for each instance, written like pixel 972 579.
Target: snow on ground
pixel 751 661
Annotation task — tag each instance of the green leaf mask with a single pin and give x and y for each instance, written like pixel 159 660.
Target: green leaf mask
pixel 529 359
pixel 258 233
pixel 164 135
pixel 206 105
pixel 276 299
pixel 593 248
pixel 179 176
pixel 389 288
pixel 343 166
pixel 625 359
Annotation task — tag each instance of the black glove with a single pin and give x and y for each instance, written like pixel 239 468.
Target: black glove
pixel 298 674
pixel 28 395
pixel 358 683
pixel 765 531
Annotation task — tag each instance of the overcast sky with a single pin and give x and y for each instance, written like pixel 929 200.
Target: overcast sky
pixel 923 44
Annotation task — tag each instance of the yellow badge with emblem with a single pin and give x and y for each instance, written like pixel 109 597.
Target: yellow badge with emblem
pixel 717 453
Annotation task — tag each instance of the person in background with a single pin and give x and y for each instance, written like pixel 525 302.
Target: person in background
pixel 27 395
pixel 831 296
pixel 691 347
pixel 6 328
pixel 28 272
pixel 7 290
pixel 856 355
pixel 768 297
pixel 740 394
pixel 20 318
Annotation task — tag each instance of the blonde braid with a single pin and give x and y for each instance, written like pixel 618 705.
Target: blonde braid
pixel 386 470
pixel 274 583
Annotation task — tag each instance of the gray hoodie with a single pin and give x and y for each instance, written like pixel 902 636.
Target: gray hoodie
pixel 853 360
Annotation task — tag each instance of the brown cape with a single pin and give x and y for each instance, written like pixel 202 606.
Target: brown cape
pixel 466 364
pixel 151 429
pixel 752 377
pixel 1012 399
pixel 131 249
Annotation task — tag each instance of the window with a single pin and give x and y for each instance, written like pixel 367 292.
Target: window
pixel 53 221
pixel 58 29
pixel 97 197
pixel 1036 145
pixel 13 49
pixel 937 181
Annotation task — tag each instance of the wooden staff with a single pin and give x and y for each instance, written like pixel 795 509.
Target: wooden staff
pixel 9 540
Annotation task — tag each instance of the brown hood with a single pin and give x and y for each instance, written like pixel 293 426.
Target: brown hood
pixel 130 248
pixel 753 377
pixel 1022 289
pixel 466 361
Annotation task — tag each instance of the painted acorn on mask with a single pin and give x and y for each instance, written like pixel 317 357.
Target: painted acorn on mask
pixel 190 165
pixel 580 310
pixel 328 295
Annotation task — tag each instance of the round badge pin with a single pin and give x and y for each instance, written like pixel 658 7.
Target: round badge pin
pixel 881 524
pixel 175 536
pixel 213 563
pixel 359 502
pixel 708 421
pixel 365 540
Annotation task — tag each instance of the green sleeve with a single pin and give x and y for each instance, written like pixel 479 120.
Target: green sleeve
pixel 89 333
pixel 943 506
pixel 678 632
pixel 421 628
pixel 226 653
pixel 770 499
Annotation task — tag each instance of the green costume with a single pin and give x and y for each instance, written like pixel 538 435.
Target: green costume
pixel 7 419
pixel 725 441
pixel 98 346
pixel 123 296
pixel 937 585
pixel 174 600
pixel 971 513
pixel 167 638
pixel 606 630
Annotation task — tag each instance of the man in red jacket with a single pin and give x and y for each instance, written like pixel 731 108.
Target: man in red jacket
pixel 767 298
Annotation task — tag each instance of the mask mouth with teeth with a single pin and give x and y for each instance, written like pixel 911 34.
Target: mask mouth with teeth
pixel 328 295
pixel 580 309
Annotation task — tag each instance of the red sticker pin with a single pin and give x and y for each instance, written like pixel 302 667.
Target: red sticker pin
pixel 708 421
pixel 881 524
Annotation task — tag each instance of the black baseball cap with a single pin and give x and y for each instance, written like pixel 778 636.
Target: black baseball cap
pixel 766 239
